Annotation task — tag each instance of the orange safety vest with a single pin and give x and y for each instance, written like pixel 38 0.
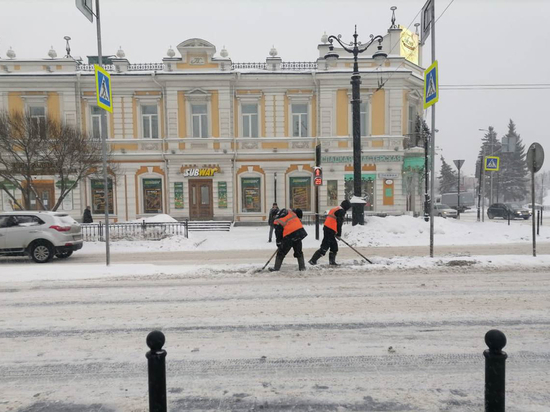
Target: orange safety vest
pixel 330 220
pixel 290 223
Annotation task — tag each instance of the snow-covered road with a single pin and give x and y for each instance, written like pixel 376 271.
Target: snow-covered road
pixel 314 341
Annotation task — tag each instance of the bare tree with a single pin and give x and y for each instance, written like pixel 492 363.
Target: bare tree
pixel 31 147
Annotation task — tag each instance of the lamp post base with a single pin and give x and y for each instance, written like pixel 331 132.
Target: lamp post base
pixel 358 213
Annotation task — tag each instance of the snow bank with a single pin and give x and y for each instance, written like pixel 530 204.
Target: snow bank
pixel 29 273
pixel 378 231
pixel 156 219
pixel 410 231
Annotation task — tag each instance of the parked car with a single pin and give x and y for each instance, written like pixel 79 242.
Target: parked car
pixel 504 210
pixel 443 210
pixel 40 235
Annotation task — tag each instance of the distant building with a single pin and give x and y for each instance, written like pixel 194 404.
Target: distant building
pixel 201 137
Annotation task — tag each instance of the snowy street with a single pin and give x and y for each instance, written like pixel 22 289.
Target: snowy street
pixel 242 341
pixel 403 334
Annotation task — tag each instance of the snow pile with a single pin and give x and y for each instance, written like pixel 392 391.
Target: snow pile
pixel 411 231
pixel 27 273
pixel 156 219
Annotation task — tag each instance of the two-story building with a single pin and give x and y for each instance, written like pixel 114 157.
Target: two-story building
pixel 200 137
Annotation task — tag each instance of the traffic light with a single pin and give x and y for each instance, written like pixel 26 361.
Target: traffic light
pixel 318 176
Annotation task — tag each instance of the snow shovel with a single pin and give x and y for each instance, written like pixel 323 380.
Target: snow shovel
pixel 355 250
pixel 267 263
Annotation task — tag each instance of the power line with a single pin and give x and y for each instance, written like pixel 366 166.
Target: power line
pixel 441 15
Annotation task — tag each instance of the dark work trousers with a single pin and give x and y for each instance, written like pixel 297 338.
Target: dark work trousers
pixel 288 244
pixel 329 241
pixel 271 227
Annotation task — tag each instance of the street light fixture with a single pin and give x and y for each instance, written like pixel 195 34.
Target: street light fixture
pixel 379 57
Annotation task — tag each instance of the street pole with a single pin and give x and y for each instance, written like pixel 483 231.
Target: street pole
pixel 426 180
pixel 480 182
pixel 458 212
pixel 317 164
pixel 358 211
pixel 483 195
pixel 432 155
pixel 532 167
pixel 103 147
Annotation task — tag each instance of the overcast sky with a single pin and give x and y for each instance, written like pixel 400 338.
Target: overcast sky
pixel 478 42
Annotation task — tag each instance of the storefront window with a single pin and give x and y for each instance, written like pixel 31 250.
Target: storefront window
pixel 332 193
pixel 300 193
pixel 178 195
pixel 152 195
pixel 251 194
pixel 367 189
pixel 98 196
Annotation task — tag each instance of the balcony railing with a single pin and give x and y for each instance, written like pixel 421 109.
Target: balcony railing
pixel 287 66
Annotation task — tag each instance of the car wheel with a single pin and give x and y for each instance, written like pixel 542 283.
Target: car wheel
pixel 41 251
pixel 490 215
pixel 64 255
pixel 526 218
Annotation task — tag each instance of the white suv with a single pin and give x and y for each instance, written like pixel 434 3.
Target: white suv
pixel 41 235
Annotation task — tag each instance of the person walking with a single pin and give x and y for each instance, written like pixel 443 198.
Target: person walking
pixel 272 214
pixel 87 217
pixel 289 233
pixel 332 230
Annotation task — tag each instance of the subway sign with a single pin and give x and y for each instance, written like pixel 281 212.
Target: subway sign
pixel 201 172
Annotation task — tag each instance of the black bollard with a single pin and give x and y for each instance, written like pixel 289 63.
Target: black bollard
pixel 495 371
pixel 538 222
pixel 156 367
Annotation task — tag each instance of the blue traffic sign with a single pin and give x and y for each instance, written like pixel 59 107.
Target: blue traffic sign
pixel 431 85
pixel 492 163
pixel 103 89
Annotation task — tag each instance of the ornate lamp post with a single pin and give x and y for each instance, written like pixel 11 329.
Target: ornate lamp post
pixel 379 56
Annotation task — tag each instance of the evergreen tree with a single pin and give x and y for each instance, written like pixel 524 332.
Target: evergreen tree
pixel 513 182
pixel 490 146
pixel 448 178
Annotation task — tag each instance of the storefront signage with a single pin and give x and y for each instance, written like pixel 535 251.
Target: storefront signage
pixel 364 159
pixel 222 195
pixel 388 175
pixel 200 172
pixel 178 195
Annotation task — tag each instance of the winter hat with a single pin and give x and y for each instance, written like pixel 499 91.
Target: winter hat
pixel 299 213
pixel 345 204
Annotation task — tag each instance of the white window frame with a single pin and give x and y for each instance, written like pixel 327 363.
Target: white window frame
pixel 299 99
pixel 248 118
pixel 300 119
pixel 91 117
pixel 199 116
pixel 249 99
pixel 198 96
pixel 413 100
pixel 150 117
pixel 365 98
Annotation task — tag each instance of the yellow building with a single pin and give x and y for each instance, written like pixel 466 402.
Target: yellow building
pixel 198 136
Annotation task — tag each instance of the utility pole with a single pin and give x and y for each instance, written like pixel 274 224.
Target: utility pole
pixel 85 6
pixel 432 150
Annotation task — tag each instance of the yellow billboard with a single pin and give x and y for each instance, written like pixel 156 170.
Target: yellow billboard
pixel 408 45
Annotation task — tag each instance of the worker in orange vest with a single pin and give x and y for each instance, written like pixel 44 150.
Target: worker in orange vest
pixel 289 233
pixel 332 230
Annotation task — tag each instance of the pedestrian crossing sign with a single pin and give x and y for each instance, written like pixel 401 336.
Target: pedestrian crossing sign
pixel 492 163
pixel 431 85
pixel 103 89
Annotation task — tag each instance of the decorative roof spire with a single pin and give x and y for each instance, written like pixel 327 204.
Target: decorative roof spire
pixel 324 38
pixel 10 53
pixel 273 52
pixel 170 53
pixel 393 25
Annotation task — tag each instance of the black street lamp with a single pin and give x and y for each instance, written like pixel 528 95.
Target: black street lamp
pixel 379 56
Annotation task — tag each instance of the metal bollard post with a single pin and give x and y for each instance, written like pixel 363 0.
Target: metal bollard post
pixel 187 228
pixel 508 218
pixel 538 222
pixel 495 368
pixel 156 367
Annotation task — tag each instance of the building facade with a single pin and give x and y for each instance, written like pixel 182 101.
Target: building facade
pixel 200 137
